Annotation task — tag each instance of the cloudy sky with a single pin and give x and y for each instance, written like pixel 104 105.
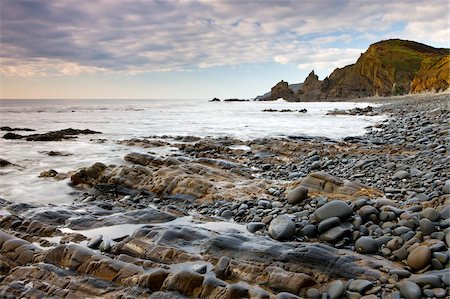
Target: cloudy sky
pixel 194 49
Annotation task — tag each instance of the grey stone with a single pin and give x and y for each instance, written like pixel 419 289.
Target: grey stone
pixel 297 195
pixel 446 187
pixel 431 214
pixel 328 224
pixel 360 285
pixel 400 175
pixel 410 290
pixel 335 208
pixel 255 226
pixel 336 289
pixel 334 234
pixel 282 228
pixel 427 227
pixel 367 245
pixel 95 242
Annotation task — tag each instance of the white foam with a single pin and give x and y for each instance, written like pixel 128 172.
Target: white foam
pixel 119 120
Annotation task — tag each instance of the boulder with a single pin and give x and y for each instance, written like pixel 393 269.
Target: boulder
pixel 282 228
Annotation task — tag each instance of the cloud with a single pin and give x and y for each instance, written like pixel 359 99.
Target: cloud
pixel 56 38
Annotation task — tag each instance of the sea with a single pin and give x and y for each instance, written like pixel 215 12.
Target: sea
pixel 124 119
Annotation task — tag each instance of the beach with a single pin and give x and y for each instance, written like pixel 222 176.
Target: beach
pixel 338 201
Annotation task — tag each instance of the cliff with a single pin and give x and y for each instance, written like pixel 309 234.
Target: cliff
pixel 391 67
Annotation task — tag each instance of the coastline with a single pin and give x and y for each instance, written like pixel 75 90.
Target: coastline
pixel 374 218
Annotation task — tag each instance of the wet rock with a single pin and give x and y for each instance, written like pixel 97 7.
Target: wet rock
pixel 282 228
pixel 88 175
pixel 297 195
pixel 48 173
pixel 335 208
pixel 419 258
pixel 52 136
pixel 4 163
pixel 95 242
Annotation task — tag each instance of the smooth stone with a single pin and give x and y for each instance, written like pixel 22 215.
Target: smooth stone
pixel 393 295
pixel 400 273
pixel 427 227
pixel 104 246
pixel 446 188
pixel 282 228
pixel 366 211
pixel 200 269
pixel 410 290
pixel 255 226
pixel 313 293
pixel 360 285
pixel 427 279
pixel 95 242
pixel 335 208
pixel 336 289
pixel 334 234
pixel 222 265
pixel 439 292
pixel 328 224
pixel 419 258
pixel 227 214
pixel 297 195
pixel 431 214
pixel 367 245
pixel 400 175
pixel 310 231
pixel 446 278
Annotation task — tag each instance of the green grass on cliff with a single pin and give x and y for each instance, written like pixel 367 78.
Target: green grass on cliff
pixel 404 56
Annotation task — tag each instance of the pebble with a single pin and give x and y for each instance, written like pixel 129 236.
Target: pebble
pixel 336 289
pixel 297 195
pixel 419 258
pixel 410 290
pixel 360 285
pixel 335 208
pixel 95 242
pixel 366 245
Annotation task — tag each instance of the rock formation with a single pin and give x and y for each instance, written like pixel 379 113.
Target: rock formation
pixel 387 68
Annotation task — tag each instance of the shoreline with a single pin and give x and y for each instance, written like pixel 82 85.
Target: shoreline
pixel 377 204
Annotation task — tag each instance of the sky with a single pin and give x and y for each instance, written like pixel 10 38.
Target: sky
pixel 119 49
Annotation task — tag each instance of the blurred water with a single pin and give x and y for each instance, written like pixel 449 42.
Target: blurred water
pixel 123 119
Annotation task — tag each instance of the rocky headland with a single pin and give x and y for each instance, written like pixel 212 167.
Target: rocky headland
pixel 387 68
pixel 297 217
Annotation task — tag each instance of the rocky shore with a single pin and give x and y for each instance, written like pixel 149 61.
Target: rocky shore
pixel 296 217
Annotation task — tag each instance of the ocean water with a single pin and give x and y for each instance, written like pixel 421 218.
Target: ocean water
pixel 124 119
